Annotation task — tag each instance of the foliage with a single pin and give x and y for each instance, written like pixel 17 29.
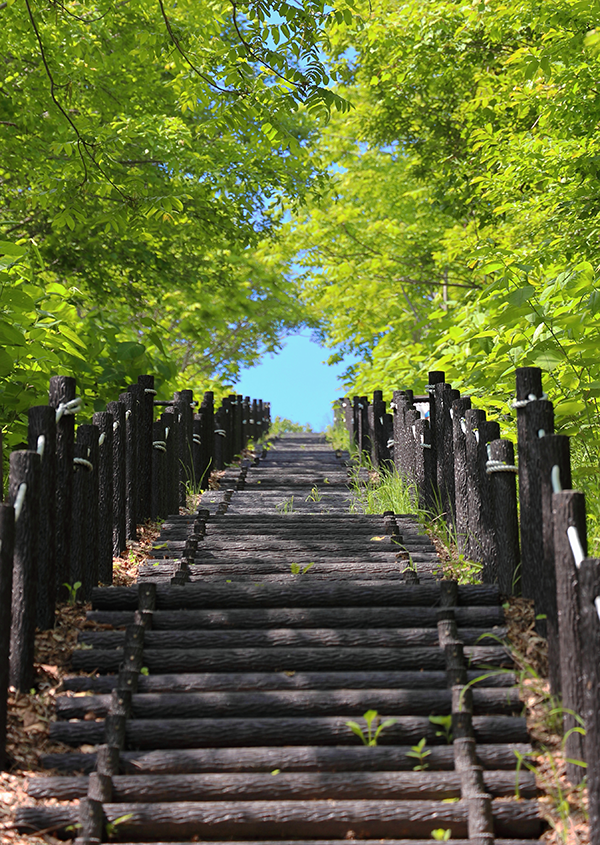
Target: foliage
pixel 419 753
pixel 140 148
pixel 373 728
pixel 281 425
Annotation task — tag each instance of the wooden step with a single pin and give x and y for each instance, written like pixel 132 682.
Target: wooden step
pixel 317 730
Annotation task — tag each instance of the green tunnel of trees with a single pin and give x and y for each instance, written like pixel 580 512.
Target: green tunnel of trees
pixel 182 183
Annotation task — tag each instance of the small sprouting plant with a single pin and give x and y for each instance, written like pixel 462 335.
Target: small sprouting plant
pixel 144 670
pixel 111 827
pixel 445 723
pixel 287 506
pixel 315 495
pixel 296 569
pixel 419 753
pixel 72 589
pixel 374 729
pixel 441 834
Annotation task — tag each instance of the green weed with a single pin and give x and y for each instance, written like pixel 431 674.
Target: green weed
pixel 374 729
pixel 72 589
pixel 420 754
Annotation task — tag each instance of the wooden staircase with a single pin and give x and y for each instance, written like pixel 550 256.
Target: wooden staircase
pixel 218 700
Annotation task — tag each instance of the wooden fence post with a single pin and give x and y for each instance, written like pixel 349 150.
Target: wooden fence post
pixel 502 471
pixel 489 430
pixel 159 470
pixel 171 419
pixel 23 492
pixel 62 398
pixel 434 377
pixel 443 396
pixel 474 418
pixel 183 403
pixel 550 451
pixel 253 428
pixel 207 436
pixel 7 544
pixel 533 415
pixel 461 493
pixel 364 435
pixel 104 422
pixel 130 403
pixel 568 511
pixel 84 562
pixel 219 438
pixel 117 410
pixel 410 444
pixel 145 435
pixel 42 439
pixel 402 405
pixel 138 392
pixel 237 424
pixel 589 596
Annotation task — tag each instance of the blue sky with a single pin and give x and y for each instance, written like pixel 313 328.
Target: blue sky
pixel 296 381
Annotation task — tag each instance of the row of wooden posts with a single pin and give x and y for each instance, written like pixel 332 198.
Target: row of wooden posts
pixel 531 543
pixel 78 494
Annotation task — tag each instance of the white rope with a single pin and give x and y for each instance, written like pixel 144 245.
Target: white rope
pixel 127 413
pixel 555 478
pixel 69 408
pixel 541 433
pixel 380 420
pixel 20 499
pixel 463 425
pixel 576 547
pixel 41 445
pixel 423 444
pixel 83 462
pixel 150 390
pixel 197 439
pixel 390 444
pixel 597 605
pixel 393 406
pixel 251 422
pixel 221 431
pixel 102 439
pixel 499 466
pixel 521 403
pixel 430 388
pixel 167 430
pixel 160 445
pixel 115 425
pixel 476 433
pixel 451 414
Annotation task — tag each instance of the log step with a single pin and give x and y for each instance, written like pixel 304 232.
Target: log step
pixel 292 638
pixel 280 659
pixel 312 758
pixel 297 594
pixel 397 702
pixel 256 681
pixel 304 617
pixel 279 786
pixel 326 730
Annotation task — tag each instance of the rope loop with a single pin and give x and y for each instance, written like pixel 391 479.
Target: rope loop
pixel 41 445
pixel 221 431
pixel 150 391
pixel 390 444
pixel 197 439
pixel 522 403
pixel 70 408
pixel 161 445
pixel 576 547
pixel 597 605
pixel 115 425
pixel 102 439
pixel 555 478
pixel 499 466
pixel 83 462
pixel 20 499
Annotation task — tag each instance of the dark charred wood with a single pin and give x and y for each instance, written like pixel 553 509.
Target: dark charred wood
pixel 273 820
pixel 396 702
pixel 204 733
pixel 297 759
pixel 292 595
pixel 259 787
